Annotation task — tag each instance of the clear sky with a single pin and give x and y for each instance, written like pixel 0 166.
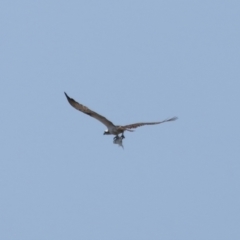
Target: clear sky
pixel 61 178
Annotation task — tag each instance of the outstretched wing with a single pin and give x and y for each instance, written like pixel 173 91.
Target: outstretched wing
pixel 89 112
pixel 135 125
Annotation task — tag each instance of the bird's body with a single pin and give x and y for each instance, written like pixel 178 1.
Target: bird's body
pixel 111 128
pixel 116 130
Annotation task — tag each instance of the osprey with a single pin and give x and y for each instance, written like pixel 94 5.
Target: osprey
pixel 111 128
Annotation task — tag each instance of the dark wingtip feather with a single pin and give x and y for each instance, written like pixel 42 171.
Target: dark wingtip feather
pixel 173 119
pixel 70 100
pixel 66 95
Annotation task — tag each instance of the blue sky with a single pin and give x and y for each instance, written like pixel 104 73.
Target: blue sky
pixel 131 61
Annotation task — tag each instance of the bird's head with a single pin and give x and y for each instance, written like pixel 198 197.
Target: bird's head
pixel 106 132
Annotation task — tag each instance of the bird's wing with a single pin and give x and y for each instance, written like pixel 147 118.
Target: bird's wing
pixel 89 112
pixel 135 125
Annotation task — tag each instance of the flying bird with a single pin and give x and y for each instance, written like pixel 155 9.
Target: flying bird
pixel 111 128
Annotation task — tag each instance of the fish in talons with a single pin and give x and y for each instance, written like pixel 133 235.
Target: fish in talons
pixel 118 140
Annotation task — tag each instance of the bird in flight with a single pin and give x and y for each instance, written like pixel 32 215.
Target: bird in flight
pixel 111 128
